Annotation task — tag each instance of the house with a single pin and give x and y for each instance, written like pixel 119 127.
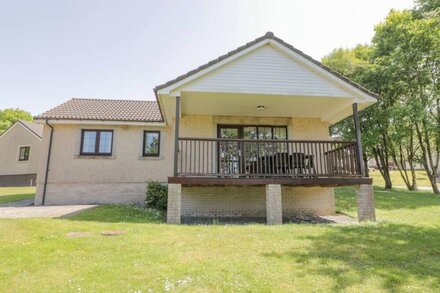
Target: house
pixel 245 135
pixel 20 147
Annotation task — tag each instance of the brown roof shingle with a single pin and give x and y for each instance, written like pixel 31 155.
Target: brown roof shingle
pixel 100 109
pixel 268 35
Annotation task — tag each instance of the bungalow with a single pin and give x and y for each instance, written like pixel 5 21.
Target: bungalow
pixel 245 135
pixel 20 147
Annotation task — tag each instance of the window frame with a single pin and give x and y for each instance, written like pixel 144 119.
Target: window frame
pixel 242 126
pixel 97 142
pixel 144 141
pixel 28 153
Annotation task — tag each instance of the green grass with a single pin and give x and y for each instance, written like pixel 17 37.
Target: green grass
pixel 421 179
pixel 8 194
pixel 400 253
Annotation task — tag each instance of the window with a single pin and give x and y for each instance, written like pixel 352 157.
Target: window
pixel 24 153
pixel 151 144
pixel 252 132
pixel 96 142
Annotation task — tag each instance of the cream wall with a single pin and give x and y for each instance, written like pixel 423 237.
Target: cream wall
pixel 119 178
pixel 9 150
pixel 310 129
pixel 297 128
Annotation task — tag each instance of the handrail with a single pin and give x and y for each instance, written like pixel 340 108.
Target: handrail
pixel 266 140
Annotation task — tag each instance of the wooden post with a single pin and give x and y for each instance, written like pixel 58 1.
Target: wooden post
pixel 357 130
pixel 176 135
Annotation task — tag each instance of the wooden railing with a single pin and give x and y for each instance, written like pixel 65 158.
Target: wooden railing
pixel 218 157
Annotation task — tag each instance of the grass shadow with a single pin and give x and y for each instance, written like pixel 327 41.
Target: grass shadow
pixel 393 254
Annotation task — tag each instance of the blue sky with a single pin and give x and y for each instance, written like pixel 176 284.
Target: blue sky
pixel 51 51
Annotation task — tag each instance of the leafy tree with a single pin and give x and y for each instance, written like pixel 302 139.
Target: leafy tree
pixel 11 115
pixel 407 43
pixel 402 65
pixel 426 6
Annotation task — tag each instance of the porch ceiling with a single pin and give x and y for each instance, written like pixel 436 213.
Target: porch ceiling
pixel 329 109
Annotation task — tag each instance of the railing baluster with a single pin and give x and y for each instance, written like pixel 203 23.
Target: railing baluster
pixel 266 158
pixel 309 154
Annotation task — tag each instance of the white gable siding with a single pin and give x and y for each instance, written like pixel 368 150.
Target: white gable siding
pixel 266 71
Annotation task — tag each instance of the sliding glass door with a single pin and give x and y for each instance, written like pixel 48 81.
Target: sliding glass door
pixel 238 157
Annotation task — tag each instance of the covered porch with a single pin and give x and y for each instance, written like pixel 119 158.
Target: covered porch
pixel 271 175
pixel 252 126
pixel 263 143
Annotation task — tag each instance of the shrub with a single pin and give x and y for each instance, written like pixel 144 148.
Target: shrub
pixel 157 194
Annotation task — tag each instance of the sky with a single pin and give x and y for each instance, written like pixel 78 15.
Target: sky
pixel 51 51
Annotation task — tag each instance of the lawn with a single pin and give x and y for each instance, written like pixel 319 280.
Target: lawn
pixel 400 253
pixel 8 194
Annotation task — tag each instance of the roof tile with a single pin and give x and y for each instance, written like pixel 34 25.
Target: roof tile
pixel 100 109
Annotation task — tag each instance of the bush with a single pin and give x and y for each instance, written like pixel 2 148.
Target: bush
pixel 157 194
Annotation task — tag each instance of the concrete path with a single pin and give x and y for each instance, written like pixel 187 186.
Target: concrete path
pixel 19 203
pixel 42 211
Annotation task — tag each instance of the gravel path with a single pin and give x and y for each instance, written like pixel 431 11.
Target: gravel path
pixel 42 211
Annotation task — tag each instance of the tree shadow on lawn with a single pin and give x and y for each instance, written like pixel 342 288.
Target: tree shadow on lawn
pixel 387 199
pixel 119 214
pixel 394 254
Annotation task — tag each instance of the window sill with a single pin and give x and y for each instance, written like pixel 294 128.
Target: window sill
pixel 95 157
pixel 151 158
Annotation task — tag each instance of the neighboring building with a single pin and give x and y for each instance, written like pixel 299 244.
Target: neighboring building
pixel 245 135
pixel 20 149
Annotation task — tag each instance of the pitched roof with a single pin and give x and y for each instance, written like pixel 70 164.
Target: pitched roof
pixel 35 128
pixel 268 35
pixel 100 109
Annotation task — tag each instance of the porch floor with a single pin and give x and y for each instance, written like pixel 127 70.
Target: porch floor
pixel 227 181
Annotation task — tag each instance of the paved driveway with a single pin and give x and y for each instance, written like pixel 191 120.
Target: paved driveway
pixel 42 211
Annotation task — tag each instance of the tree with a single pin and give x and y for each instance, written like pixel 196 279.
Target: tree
pixel 407 43
pixel 11 115
pixel 402 65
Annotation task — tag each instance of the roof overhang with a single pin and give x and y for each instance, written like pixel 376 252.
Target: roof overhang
pixel 337 107
pixel 327 109
pixel 175 88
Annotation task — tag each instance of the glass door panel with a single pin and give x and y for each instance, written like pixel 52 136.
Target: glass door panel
pixel 229 151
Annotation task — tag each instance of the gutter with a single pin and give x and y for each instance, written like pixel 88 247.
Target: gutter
pixel 48 161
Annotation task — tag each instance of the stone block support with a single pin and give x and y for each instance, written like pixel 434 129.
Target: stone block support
pixel 365 203
pixel 274 211
pixel 174 203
